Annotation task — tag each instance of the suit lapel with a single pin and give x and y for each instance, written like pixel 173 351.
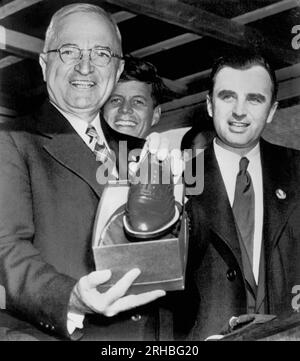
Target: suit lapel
pixel 220 215
pixel 217 206
pixel 65 145
pixel 279 192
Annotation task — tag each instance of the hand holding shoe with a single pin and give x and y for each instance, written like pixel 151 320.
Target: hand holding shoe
pixel 151 209
pixel 159 147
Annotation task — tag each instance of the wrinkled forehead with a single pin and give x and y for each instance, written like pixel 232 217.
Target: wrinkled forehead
pixel 255 79
pixel 86 29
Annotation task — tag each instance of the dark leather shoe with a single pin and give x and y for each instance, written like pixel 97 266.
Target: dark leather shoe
pixel 150 209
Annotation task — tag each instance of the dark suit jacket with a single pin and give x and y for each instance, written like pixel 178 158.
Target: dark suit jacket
pixel 215 280
pixel 48 200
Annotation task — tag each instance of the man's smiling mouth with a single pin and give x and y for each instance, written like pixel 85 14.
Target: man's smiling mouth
pixel 238 124
pixel 125 123
pixel 82 84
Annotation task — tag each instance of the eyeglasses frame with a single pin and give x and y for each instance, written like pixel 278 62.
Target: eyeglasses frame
pixel 58 50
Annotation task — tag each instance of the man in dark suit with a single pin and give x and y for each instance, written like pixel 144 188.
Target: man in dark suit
pixel 49 192
pixel 244 255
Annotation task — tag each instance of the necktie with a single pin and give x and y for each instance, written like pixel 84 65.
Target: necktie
pixel 100 150
pixel 243 206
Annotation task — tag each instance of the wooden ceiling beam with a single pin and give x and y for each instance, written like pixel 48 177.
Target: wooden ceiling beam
pixel 289 89
pixel 266 11
pixel 204 23
pixel 246 18
pixel 122 16
pixel 288 72
pixel 186 80
pixel 189 17
pixel 165 45
pixel 20 44
pixel 9 60
pixel 15 6
pixel 6 113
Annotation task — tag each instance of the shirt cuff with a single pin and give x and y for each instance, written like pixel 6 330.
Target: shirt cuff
pixel 74 320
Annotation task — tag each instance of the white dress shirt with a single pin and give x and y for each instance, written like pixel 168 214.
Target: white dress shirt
pixel 229 167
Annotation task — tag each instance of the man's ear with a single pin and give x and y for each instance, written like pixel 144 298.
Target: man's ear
pixel 209 105
pixel 43 64
pixel 272 112
pixel 156 115
pixel 120 70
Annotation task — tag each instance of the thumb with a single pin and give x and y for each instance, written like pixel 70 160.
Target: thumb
pixel 96 278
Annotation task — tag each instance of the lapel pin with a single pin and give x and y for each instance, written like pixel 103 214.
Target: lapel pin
pixel 280 194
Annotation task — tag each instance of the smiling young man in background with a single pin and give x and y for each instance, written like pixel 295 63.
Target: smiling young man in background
pixel 134 105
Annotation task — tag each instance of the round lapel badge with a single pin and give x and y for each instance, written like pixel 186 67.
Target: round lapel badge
pixel 280 194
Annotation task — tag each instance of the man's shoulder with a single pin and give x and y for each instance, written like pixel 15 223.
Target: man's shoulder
pixel 282 161
pixel 280 153
pixel 44 119
pixel 18 128
pixel 16 125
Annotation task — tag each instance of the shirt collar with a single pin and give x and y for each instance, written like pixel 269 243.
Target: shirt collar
pixel 80 125
pixel 225 155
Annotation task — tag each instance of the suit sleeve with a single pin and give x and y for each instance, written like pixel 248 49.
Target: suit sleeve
pixel 34 289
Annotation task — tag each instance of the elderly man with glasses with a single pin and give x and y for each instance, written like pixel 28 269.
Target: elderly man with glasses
pixel 49 193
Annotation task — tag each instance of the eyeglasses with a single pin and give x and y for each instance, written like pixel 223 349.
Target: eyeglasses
pixel 100 56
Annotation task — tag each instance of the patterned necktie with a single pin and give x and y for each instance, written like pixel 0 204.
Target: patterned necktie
pixel 100 150
pixel 243 206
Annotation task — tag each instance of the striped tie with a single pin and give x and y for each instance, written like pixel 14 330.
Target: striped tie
pixel 100 150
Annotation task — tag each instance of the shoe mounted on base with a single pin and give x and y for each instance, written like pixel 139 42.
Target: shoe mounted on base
pixel 150 209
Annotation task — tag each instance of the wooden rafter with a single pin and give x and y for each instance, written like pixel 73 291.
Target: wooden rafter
pixel 246 18
pixel 9 60
pixel 289 89
pixel 289 72
pixel 202 22
pixel 165 45
pixel 6 112
pixel 267 11
pixel 186 80
pixel 188 17
pixel 20 44
pixel 15 6
pixel 122 16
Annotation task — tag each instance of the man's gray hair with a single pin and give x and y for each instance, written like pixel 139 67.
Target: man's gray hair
pixel 77 8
